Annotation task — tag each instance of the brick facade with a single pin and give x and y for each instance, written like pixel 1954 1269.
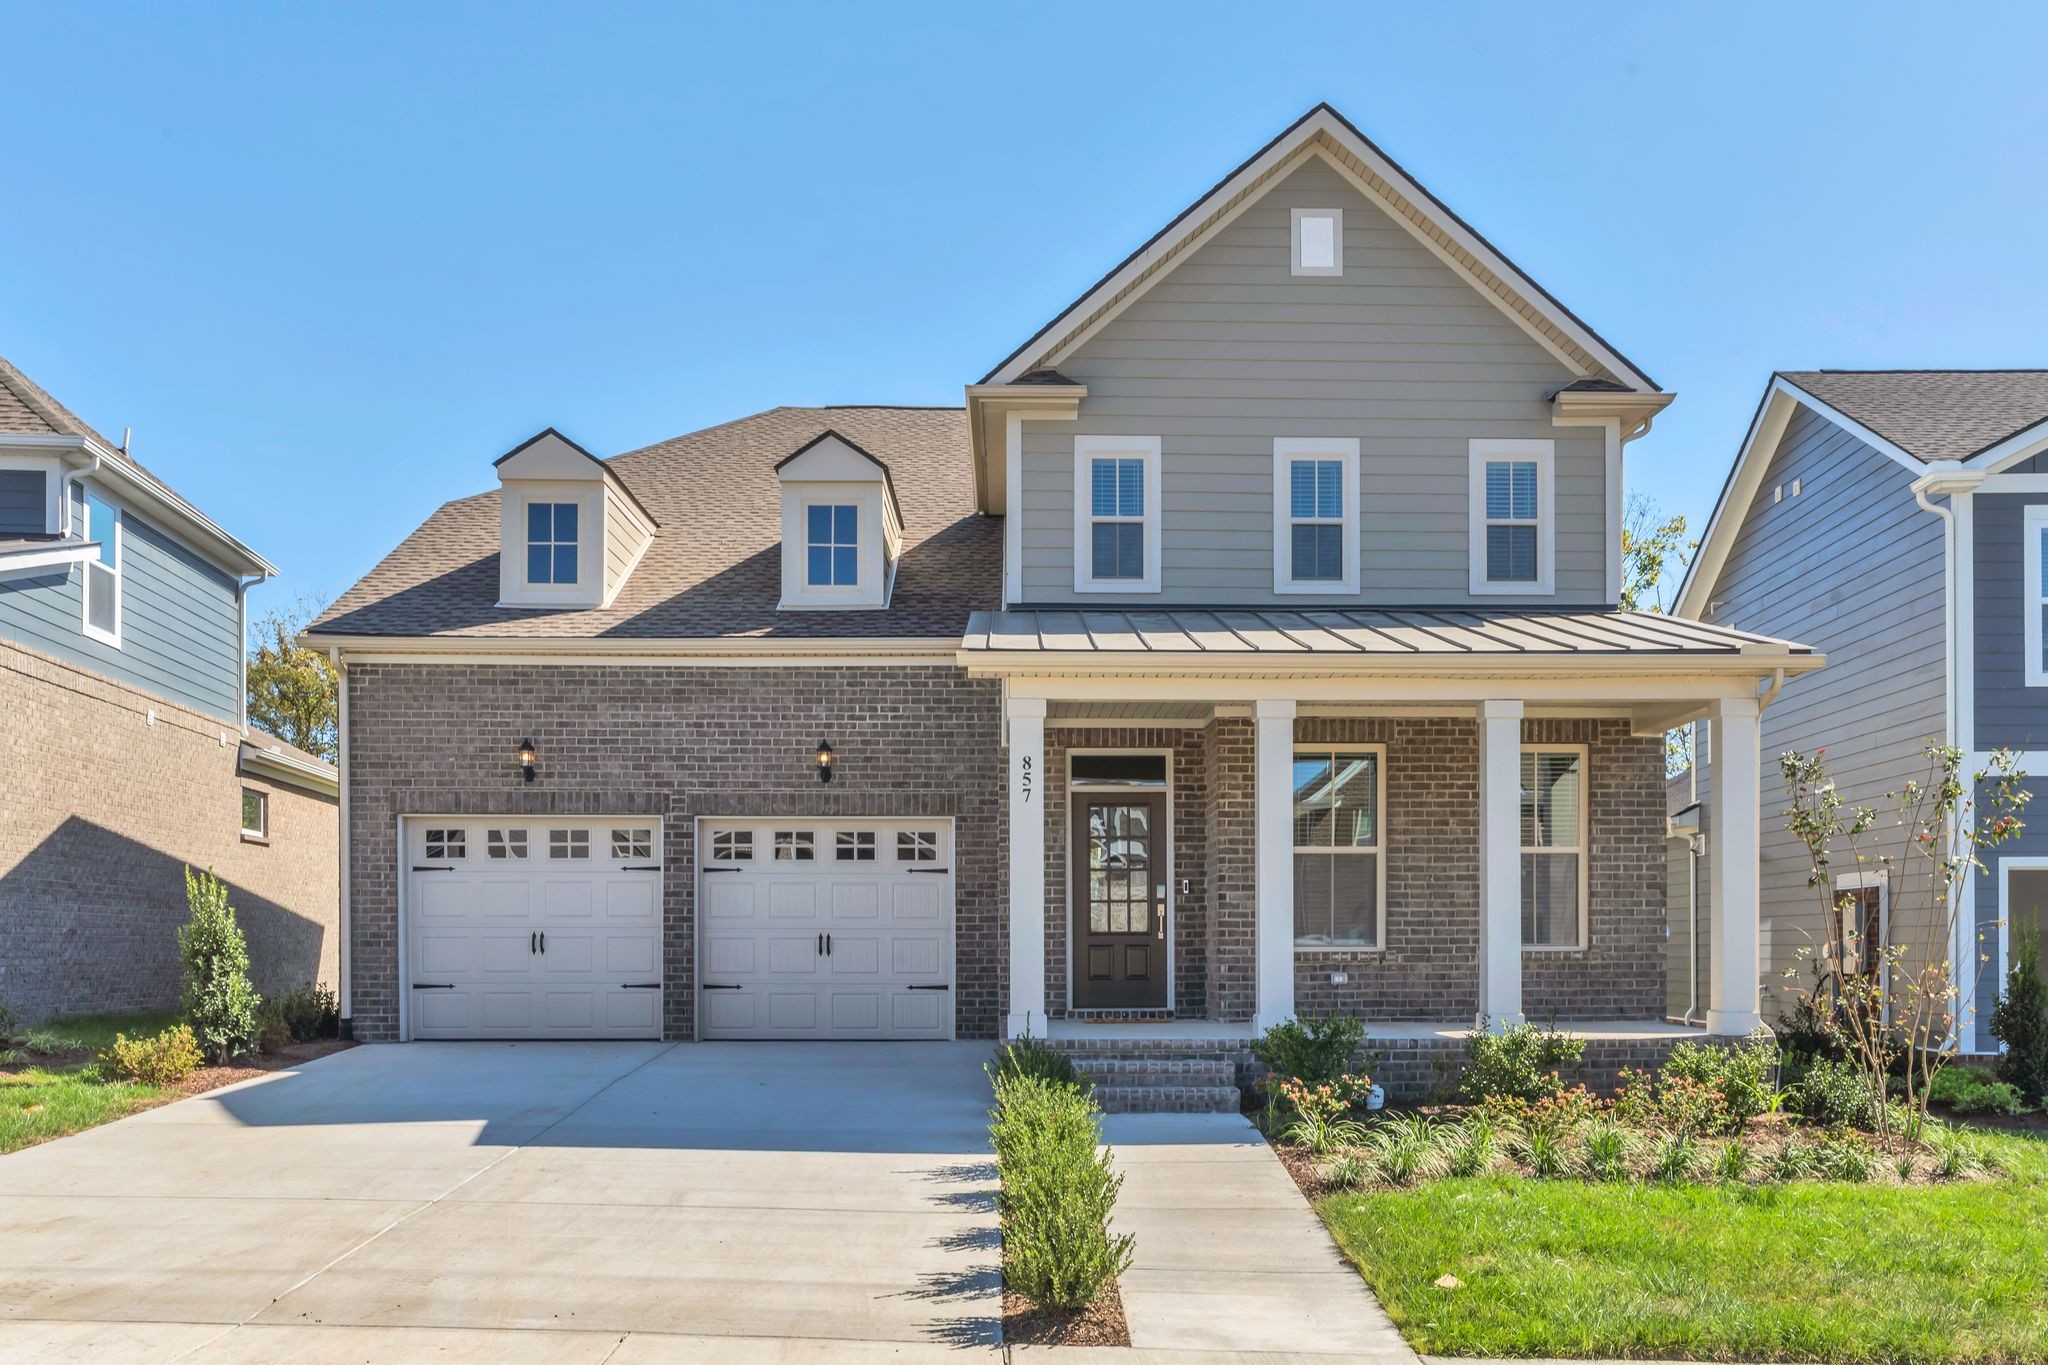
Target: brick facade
pixel 678 743
pixel 681 743
pixel 108 794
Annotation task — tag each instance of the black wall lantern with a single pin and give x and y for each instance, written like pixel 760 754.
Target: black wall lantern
pixel 824 761
pixel 526 758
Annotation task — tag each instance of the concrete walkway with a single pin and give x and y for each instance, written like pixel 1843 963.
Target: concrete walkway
pixel 1229 1256
pixel 539 1202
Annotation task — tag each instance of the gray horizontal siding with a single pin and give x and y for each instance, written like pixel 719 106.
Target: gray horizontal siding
pixel 2009 713
pixel 1853 567
pixel 1229 351
pixel 24 502
pixel 181 632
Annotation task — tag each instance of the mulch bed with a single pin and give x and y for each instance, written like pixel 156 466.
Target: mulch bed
pixel 248 1068
pixel 1099 1324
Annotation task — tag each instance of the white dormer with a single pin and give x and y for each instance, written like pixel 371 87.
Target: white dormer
pixel 840 530
pixel 570 531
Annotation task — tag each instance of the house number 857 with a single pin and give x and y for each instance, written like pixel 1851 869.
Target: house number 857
pixel 1024 777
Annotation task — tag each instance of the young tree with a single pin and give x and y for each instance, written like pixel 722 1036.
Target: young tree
pixel 1898 1000
pixel 1653 546
pixel 220 1004
pixel 294 693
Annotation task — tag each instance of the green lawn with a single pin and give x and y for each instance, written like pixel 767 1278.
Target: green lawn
pixel 51 1088
pixel 1808 1272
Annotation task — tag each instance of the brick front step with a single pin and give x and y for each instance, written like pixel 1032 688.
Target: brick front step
pixel 1157 1070
pixel 1168 1099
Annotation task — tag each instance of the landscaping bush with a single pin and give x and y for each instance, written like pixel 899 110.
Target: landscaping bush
pixel 1833 1093
pixel 2020 1021
pixel 310 1012
pixel 1522 1063
pixel 1673 1104
pixel 1319 1123
pixel 1031 1057
pixel 220 1004
pixel 1313 1050
pixel 1058 1189
pixel 273 1034
pixel 165 1059
pixel 1967 1090
pixel 1743 1074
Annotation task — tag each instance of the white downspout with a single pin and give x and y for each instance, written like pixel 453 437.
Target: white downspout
pixel 1950 549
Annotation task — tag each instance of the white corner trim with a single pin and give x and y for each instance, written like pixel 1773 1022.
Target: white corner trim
pixel 1286 450
pixel 1296 262
pixel 1013 508
pixel 1544 453
pixel 2033 522
pixel 1087 449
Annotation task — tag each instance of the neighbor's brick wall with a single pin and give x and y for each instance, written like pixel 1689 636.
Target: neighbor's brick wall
pixel 1188 775
pixel 101 811
pixel 677 743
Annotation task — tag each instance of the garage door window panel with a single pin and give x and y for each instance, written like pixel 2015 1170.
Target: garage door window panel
pixel 568 844
pixel 503 845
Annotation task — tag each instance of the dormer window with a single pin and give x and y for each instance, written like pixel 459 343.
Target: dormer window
pixel 551 542
pixel 832 551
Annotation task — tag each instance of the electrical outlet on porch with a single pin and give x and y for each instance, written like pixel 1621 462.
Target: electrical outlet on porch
pixel 1339 978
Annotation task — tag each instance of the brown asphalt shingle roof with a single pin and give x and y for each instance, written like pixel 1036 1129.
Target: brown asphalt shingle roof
pixel 1934 414
pixel 714 569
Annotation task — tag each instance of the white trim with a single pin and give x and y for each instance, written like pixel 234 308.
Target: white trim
pixel 344 920
pixel 734 651
pixel 516 496
pixel 1378 848
pixel 275 766
pixel 42 560
pixel 1172 840
pixel 89 566
pixel 1584 848
pixel 1086 450
pixel 51 467
pixel 1024 725
pixel 1544 454
pixel 1273 869
pixel 2033 523
pixel 2023 444
pixel 1286 450
pixel 1325 123
pixel 1882 883
pixel 1960 564
pixel 1013 508
pixel 1499 861
pixel 1295 264
pixel 1980 1025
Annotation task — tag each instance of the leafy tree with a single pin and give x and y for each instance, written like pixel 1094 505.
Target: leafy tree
pixel 294 693
pixel 1654 549
pixel 2021 1021
pixel 220 1004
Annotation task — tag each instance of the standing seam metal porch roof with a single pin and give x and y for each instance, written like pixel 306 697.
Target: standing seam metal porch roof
pixel 1404 633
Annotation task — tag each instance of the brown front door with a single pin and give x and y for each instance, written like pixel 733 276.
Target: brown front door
pixel 1119 902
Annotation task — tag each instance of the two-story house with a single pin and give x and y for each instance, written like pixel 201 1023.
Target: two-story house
pixel 1896 520
pixel 1249 644
pixel 124 753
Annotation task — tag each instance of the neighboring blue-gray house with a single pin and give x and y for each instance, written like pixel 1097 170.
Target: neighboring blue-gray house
pixel 1898 521
pixel 124 753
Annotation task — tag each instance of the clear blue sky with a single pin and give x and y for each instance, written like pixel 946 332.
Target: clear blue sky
pixel 329 261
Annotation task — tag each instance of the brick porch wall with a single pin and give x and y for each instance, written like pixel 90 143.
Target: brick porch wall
pixel 678 743
pixel 100 812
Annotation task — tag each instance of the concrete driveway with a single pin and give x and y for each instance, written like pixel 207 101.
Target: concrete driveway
pixel 522 1202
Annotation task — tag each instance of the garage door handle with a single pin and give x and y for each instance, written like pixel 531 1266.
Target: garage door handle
pixel 643 867
pixel 710 987
pixel 928 988
pixel 935 871
pixel 641 986
pixel 715 869
pixel 433 869
pixel 433 985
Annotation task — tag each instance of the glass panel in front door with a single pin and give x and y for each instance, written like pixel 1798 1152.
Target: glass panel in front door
pixel 1120 869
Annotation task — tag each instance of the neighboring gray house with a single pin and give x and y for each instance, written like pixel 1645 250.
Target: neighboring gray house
pixel 1895 520
pixel 1248 644
pixel 123 750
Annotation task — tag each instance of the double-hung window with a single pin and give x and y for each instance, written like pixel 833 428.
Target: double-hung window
pixel 1116 514
pixel 1315 514
pixel 1513 530
pixel 831 545
pixel 1339 848
pixel 102 605
pixel 551 542
pixel 2034 594
pixel 1553 846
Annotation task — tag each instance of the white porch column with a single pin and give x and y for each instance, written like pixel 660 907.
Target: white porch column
pixel 1026 716
pixel 1733 846
pixel 1273 815
pixel 1500 862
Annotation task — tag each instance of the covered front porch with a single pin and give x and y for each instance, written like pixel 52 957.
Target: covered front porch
pixel 1222 820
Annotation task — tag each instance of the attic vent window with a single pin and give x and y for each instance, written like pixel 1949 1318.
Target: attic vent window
pixel 1318 246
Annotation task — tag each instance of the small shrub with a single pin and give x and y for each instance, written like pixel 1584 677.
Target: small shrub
pixel 1742 1074
pixel 273 1034
pixel 2020 1021
pixel 1523 1062
pixel 1846 1158
pixel 1808 1031
pixel 311 1012
pixel 1544 1151
pixel 1406 1150
pixel 1796 1160
pixel 1058 1190
pixel 163 1059
pixel 1311 1050
pixel 1733 1161
pixel 1674 1157
pixel 1471 1148
pixel 1956 1153
pixel 1319 1122
pixel 1969 1091
pixel 1606 1150
pixel 220 1004
pixel 1904 1164
pixel 1031 1057
pixel 1350 1171
pixel 1833 1093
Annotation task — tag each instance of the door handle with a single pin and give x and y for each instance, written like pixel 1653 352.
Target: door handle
pixel 828 945
pixel 543 942
pixel 532 944
pixel 821 945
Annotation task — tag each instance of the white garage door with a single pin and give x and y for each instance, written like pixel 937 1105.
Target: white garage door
pixel 533 928
pixel 826 929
